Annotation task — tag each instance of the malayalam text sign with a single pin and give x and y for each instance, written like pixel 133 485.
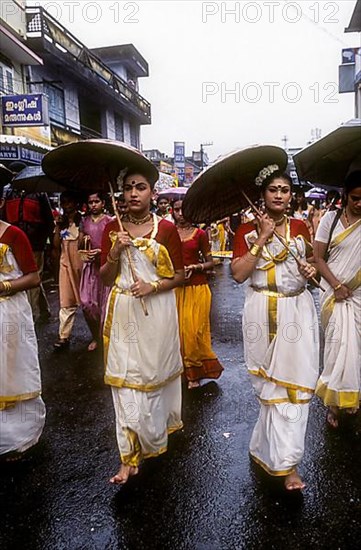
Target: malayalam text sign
pixel 25 110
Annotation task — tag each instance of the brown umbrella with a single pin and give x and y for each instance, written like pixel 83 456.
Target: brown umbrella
pixel 97 164
pixel 33 180
pixel 93 164
pixel 230 185
pixel 218 190
pixel 6 175
pixel 327 161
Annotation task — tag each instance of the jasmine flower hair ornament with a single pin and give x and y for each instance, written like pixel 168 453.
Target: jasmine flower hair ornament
pixel 265 172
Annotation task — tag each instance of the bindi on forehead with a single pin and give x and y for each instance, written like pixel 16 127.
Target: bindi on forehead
pixel 284 188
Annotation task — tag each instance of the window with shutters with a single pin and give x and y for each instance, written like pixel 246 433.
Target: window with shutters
pixel 119 127
pixel 56 102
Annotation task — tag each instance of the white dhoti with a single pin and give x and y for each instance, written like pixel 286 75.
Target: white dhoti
pixel 340 382
pixel 280 332
pixel 22 410
pixel 142 355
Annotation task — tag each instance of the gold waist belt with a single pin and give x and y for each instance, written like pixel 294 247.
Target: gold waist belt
pixel 273 294
pixel 125 291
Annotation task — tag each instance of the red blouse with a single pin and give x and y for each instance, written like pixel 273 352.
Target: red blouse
pixel 297 227
pixel 167 236
pixel 196 243
pixel 16 239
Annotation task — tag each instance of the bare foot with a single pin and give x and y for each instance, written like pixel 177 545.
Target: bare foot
pixel 193 384
pixel 332 417
pixel 351 411
pixel 124 473
pixel 93 345
pixel 293 482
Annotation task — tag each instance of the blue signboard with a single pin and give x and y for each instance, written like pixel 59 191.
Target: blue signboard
pixel 179 160
pixel 25 110
pixel 17 152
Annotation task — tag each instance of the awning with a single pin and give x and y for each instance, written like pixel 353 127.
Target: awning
pixel 21 140
pixel 16 50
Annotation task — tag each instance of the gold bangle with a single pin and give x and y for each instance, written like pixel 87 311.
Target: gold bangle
pixel 7 286
pixel 255 250
pixel 111 260
pixel 337 287
pixel 155 286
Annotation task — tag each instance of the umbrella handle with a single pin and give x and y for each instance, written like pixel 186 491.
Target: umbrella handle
pixel 281 240
pixel 129 256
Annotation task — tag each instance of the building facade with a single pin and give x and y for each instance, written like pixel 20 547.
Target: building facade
pixel 90 93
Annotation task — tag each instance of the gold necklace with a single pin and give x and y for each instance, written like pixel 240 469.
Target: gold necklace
pixel 137 221
pixel 280 221
pixel 346 218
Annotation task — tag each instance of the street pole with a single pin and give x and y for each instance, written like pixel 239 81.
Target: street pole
pixel 208 144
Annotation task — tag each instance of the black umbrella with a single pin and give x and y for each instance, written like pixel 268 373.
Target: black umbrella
pixel 328 160
pixel 32 179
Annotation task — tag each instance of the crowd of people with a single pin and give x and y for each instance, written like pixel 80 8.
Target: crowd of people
pixel 153 272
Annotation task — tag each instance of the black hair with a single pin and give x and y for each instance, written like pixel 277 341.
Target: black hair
pixel 277 174
pixel 72 196
pixel 162 198
pixel 332 198
pixel 101 195
pixel 352 181
pixel 141 173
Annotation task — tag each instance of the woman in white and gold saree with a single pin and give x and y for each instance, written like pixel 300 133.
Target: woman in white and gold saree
pixel 22 410
pixel 143 364
pixel 340 381
pixel 279 324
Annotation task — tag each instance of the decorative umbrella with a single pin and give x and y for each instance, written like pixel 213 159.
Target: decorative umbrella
pixel 173 193
pixel 315 193
pixel 219 190
pixel 98 164
pixel 93 164
pixel 6 175
pixel 230 185
pixel 33 180
pixel 328 160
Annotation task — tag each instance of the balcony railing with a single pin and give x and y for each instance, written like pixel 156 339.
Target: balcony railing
pixel 40 24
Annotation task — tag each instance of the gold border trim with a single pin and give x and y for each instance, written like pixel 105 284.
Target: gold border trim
pixel 341 399
pixel 20 397
pixel 284 400
pixel 122 383
pixel 135 458
pixel 342 236
pixel 262 373
pixel 275 473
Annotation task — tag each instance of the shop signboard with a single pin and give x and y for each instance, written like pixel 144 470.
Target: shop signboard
pixel 24 110
pixel 179 160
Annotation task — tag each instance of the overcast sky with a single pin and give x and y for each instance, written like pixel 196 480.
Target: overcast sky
pixel 284 73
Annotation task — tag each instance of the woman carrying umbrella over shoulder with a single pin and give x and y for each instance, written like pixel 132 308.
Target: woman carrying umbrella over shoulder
pixel 280 347
pixel 143 364
pixel 339 237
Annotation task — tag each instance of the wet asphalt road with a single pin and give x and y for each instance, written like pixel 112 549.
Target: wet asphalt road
pixel 203 494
